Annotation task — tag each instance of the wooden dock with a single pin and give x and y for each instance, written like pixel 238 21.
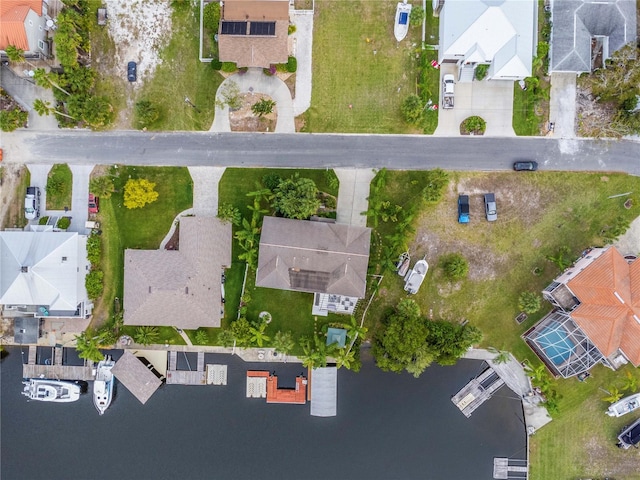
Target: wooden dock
pixel 186 377
pixel 477 391
pixel 508 468
pixel 57 371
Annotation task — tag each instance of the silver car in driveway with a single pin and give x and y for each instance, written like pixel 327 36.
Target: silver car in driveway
pixel 32 203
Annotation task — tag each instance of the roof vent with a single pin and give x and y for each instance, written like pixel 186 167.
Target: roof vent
pixel 24 269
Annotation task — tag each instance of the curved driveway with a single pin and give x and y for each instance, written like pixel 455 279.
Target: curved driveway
pixel 317 150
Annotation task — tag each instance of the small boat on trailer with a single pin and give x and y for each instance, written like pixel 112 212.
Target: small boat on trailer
pixel 624 406
pixel 630 436
pixel 402 267
pixel 46 390
pixel 103 385
pixel 401 25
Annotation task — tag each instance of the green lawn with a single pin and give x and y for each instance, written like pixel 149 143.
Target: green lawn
pixel 357 62
pixel 537 214
pixel 59 187
pixel 182 75
pixel 166 335
pixel 142 228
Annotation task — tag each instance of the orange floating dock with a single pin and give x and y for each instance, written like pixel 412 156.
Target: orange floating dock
pixel 297 395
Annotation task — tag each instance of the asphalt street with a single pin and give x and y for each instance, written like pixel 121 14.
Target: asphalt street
pixel 317 150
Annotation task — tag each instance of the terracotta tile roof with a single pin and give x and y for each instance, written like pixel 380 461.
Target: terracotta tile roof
pixel 12 17
pixel 609 311
pixel 255 50
pixel 313 257
pixel 179 288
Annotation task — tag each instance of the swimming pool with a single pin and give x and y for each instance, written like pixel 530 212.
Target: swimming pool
pixel 553 339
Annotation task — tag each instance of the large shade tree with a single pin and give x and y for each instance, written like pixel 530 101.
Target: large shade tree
pixel 296 197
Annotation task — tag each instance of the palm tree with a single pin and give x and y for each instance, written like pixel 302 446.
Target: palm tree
pixel 15 54
pixel 146 335
pixel 258 336
pixel 283 342
pixel 539 377
pixel 501 356
pixel 43 79
pixel 614 394
pixel 630 383
pixel 226 338
pixel 344 358
pixel 87 346
pixel 43 107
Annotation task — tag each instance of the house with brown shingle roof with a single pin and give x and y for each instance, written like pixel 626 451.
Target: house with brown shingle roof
pixel 327 259
pixel 254 33
pixel 596 316
pixel 23 25
pixel 180 288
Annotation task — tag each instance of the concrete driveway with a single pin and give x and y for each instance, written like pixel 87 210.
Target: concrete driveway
pixel 303 38
pixel 39 174
pixel 562 104
pixel 353 195
pixel 205 189
pixel 491 100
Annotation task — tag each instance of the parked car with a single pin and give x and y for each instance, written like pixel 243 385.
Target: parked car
pixel 32 203
pixel 490 209
pixel 463 208
pixel 527 165
pixel 94 203
pixel 132 71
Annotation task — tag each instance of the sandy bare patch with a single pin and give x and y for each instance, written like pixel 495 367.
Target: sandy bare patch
pixel 11 175
pixel 139 29
pixel 244 120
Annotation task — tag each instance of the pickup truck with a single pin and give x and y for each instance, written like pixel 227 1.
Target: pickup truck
pixel 490 209
pixel 463 208
pixel 448 87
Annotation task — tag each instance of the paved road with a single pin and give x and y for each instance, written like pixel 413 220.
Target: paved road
pixel 317 150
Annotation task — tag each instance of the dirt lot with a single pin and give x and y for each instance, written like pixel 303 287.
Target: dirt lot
pixel 12 177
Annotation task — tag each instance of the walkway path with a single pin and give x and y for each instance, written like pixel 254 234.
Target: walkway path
pixel 257 82
pixel 562 104
pixel 25 92
pixel 303 20
pixel 353 195
pixel 629 243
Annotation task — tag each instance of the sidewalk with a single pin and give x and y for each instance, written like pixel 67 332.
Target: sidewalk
pixel 257 82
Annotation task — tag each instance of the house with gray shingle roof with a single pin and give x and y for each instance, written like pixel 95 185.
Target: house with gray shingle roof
pixel 42 274
pixel 586 32
pixel 254 33
pixel 181 288
pixel 498 33
pixel 327 259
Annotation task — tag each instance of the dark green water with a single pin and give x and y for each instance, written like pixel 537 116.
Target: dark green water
pixel 388 426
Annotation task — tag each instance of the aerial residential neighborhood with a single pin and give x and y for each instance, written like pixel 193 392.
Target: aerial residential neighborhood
pixel 320 239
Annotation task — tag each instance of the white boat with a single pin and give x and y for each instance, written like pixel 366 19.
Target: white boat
pixel 103 384
pixel 51 390
pixel 401 25
pixel 415 277
pixel 626 405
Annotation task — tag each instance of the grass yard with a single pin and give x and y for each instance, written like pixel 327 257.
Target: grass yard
pixel 142 228
pixel 537 215
pixel 357 62
pixel 182 75
pixel 59 187
pixel 166 335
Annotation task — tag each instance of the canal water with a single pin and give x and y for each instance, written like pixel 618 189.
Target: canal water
pixel 388 426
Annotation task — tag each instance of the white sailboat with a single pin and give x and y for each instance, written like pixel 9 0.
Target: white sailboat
pixel 401 25
pixel 103 385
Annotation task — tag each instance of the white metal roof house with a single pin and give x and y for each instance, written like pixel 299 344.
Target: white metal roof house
pixel 42 274
pixel 498 33
pixel 585 32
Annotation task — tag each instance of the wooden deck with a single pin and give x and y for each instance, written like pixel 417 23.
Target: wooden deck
pixel 57 371
pixel 477 391
pixel 509 468
pixel 256 380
